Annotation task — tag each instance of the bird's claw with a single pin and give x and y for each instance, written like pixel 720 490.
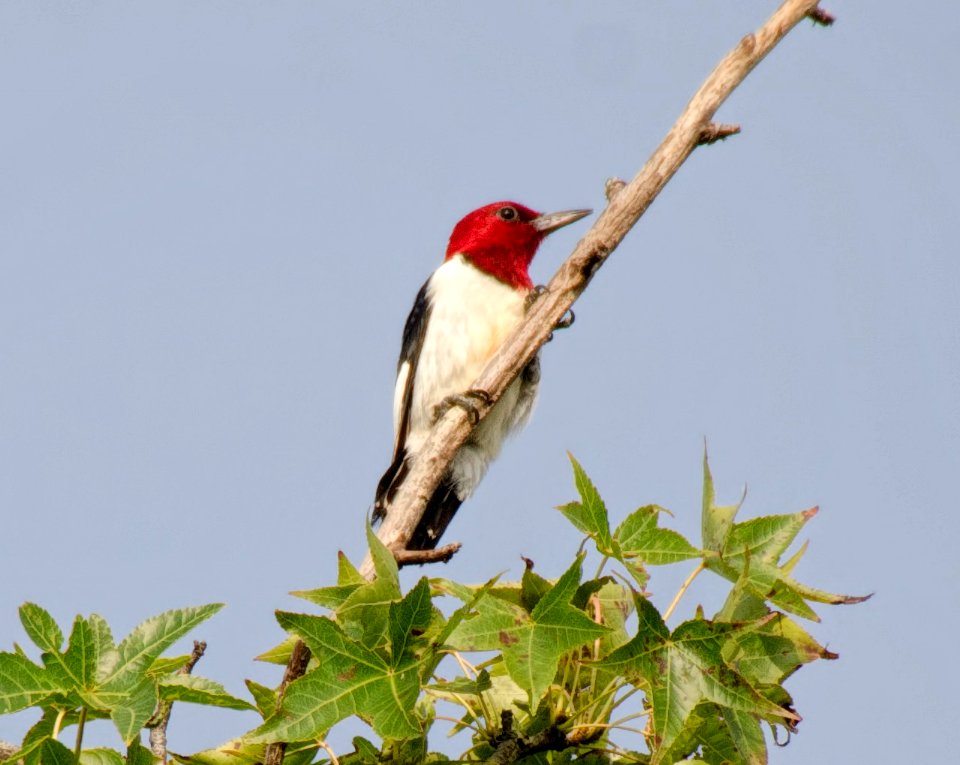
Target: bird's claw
pixel 533 296
pixel 565 323
pixel 465 401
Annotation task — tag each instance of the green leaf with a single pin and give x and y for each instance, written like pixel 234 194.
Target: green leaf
pixel 364 613
pixel 138 754
pixel 366 749
pixel 765 538
pixel 347 573
pixel 52 752
pixel 532 650
pixel 695 672
pixel 685 669
pixel 748 554
pixel 131 711
pixel 470 597
pixel 349 579
pixel 83 654
pixel 350 679
pixel 265 698
pixel 747 736
pixel 463 685
pixel 167 665
pixel 280 653
pixel 822 596
pixel 408 619
pixel 616 606
pixel 384 564
pixel 41 627
pixel 240 753
pixel 101 756
pixel 328 597
pixel 485 627
pixel 36 736
pixel 742 603
pixel 105 647
pixel 589 515
pixel 199 690
pixel 640 659
pixel 769 654
pixel 137 651
pixel 532 587
pixel 717 520
pixel 22 683
pixel 640 537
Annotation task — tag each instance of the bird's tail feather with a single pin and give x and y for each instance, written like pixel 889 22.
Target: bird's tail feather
pixel 388 484
pixel 437 515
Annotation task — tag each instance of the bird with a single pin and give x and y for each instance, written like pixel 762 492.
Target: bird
pixel 460 318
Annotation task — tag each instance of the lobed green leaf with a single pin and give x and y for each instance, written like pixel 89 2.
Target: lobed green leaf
pixel 349 680
pixel 199 690
pixel 22 683
pixel 41 627
pixel 589 515
pixel 137 652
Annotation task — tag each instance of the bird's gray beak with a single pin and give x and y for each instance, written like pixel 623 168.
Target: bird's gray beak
pixel 552 221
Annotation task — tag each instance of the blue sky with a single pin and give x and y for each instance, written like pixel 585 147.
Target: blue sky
pixel 214 218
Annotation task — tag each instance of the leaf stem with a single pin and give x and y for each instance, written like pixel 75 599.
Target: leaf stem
pixel 80 725
pixel 609 690
pixel 58 722
pixel 326 747
pixel 624 697
pixel 683 588
pixel 454 720
pixel 601 566
pixel 605 726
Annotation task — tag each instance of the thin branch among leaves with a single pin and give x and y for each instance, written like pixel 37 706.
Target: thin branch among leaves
pixel 158 733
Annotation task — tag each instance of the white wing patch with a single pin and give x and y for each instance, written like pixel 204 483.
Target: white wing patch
pixel 398 401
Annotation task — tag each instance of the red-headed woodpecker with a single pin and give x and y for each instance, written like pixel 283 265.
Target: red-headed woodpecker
pixel 460 318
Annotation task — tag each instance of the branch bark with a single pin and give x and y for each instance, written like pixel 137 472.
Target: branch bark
pixel 158 733
pixel 621 213
pixel 296 667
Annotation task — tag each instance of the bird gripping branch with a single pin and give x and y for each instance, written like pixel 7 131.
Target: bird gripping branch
pixel 460 318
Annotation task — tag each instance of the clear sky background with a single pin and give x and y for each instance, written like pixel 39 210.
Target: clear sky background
pixel 214 218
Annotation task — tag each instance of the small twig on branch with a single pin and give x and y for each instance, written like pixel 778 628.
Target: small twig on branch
pixel 296 666
pixel 612 187
pixel 717 132
pixel 622 212
pixel 821 17
pixel 438 555
pixel 158 733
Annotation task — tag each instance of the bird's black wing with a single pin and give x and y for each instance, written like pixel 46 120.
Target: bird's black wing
pixel 414 332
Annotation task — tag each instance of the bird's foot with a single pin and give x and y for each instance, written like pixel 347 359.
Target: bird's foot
pixel 533 296
pixel 565 323
pixel 465 401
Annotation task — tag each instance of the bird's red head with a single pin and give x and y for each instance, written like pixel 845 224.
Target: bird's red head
pixel 502 238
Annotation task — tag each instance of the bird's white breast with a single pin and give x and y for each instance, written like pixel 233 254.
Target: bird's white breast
pixel 471 314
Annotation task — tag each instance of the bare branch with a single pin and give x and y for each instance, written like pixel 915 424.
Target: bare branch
pixel 821 17
pixel 612 187
pixel 158 733
pixel 438 555
pixel 622 212
pixel 716 131
pixel 296 666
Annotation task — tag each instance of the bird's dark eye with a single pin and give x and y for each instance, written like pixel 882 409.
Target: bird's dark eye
pixel 507 213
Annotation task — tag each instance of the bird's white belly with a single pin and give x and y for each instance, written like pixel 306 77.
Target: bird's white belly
pixel 471 315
